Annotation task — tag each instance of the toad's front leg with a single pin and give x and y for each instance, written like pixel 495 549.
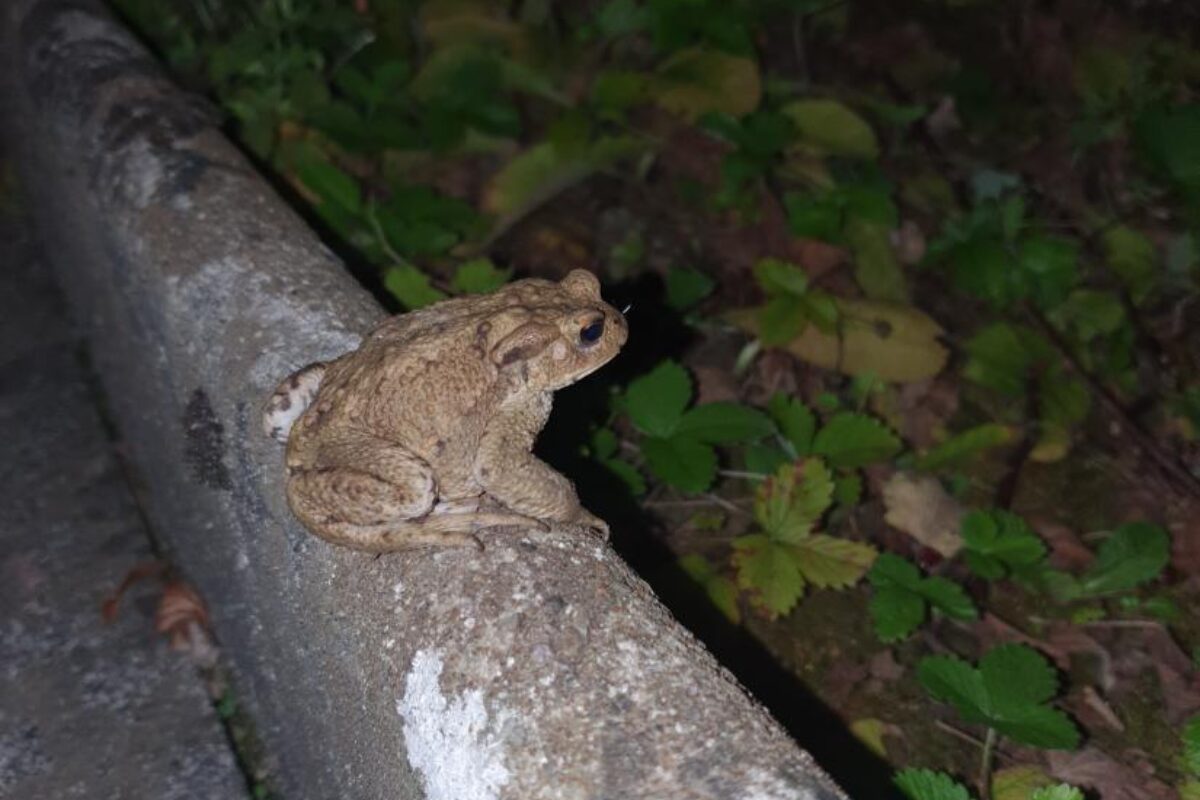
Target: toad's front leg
pixel 514 476
pixel 366 493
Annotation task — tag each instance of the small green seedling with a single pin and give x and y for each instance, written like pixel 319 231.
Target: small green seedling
pixel 903 598
pixel 924 784
pixel 999 544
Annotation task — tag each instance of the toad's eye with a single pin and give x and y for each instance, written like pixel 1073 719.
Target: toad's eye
pixel 592 333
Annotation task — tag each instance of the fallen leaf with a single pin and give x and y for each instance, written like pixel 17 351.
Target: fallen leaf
pixel 696 81
pixel 146 569
pixel 920 507
pixel 828 127
pixel 870 732
pixel 892 342
pixel 1092 768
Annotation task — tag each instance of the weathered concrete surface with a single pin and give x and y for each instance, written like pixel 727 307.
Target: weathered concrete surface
pixel 540 668
pixel 87 710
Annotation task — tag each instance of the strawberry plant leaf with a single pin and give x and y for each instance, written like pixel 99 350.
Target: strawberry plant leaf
pixel 788 504
pixel 479 276
pixel 1131 255
pixel 687 287
pixel 697 81
pixel 778 277
pixel 1060 792
pixel 997 542
pixel 948 597
pixel 1039 726
pixel 924 784
pixel 829 562
pixel 411 287
pixel 956 682
pixel 781 320
pixel 850 440
pixel 830 128
pixel 1016 675
pixel 796 422
pixel 1136 553
pixel 725 423
pixel 655 401
pixel 767 571
pixel 684 463
pixel 896 612
pixel 1191 745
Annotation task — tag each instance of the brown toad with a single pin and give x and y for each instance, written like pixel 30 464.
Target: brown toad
pixel 423 434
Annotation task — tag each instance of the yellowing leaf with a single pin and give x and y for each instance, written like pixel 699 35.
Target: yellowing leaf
pixel 893 342
pixel 542 171
pixel 829 562
pixel 1018 783
pixel 790 502
pixel 696 81
pixel 831 128
pixel 870 732
pixel 876 270
pixel 767 570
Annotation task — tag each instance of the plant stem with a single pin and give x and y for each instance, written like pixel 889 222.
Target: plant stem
pixel 985 765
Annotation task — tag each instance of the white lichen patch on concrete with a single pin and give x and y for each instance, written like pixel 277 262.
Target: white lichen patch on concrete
pixel 449 740
pixel 762 785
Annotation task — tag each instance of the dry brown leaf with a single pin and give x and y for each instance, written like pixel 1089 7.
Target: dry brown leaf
pixel 920 507
pixel 1091 768
pixel 146 569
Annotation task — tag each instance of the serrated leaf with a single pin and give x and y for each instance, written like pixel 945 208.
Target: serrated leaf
pixel 850 440
pixel 948 597
pixel 329 183
pixel 796 422
pixel 655 401
pixel 1060 792
pixel 924 784
pixel 967 445
pixel 892 342
pixel 1002 355
pixel 829 562
pixel 956 682
pixel 684 463
pixel 767 571
pixel 996 540
pixel 1050 264
pixel 897 612
pixel 830 128
pixel 782 319
pixel 776 276
pixel 1017 675
pixel 788 504
pixel 1169 138
pixel 765 459
pixel 1136 553
pixel 696 81
pixel 725 423
pixel 479 276
pixel 687 287
pixel 847 490
pixel 628 474
pixel 1040 726
pixel 411 287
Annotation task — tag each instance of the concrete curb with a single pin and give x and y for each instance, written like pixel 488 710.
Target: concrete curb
pixel 541 668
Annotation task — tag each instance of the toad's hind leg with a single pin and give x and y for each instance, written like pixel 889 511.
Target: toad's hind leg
pixel 290 399
pixel 445 530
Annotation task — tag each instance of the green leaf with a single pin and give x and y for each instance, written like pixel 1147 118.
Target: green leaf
pixel 1191 745
pixel 782 319
pixel 411 287
pixel 897 612
pixel 479 276
pixel 683 463
pixel 328 182
pixel 948 597
pixel 1016 675
pixel 851 440
pixel 621 17
pixel 1002 356
pixel 789 503
pixel 655 401
pixel 796 422
pixel 876 270
pixel 1169 138
pixel 687 287
pixel 998 542
pixel 963 447
pixel 1060 792
pixel 1131 255
pixel 725 423
pixel 829 562
pixel 830 128
pixel 765 459
pixel 924 784
pixel 1050 263
pixel 781 277
pixel 1040 726
pixel 954 681
pixel 767 570
pixel 847 490
pixel 628 473
pixel 1136 553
